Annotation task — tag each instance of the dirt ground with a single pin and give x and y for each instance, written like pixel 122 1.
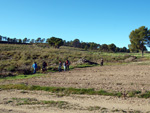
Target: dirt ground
pixel 122 78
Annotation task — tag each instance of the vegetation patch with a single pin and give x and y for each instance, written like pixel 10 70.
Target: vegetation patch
pixel 145 95
pixel 14 77
pixel 68 91
pixel 34 101
pixel 134 93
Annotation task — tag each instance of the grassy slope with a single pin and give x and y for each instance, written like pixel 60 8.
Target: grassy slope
pixel 14 57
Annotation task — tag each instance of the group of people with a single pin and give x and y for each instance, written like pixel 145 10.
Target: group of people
pixel 44 65
pixel 65 65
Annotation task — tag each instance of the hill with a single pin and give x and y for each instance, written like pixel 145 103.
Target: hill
pixel 17 58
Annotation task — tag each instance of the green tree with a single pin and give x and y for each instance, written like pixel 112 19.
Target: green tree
pixel 42 40
pixel 104 47
pixel 0 38
pixel 5 38
pixel 25 40
pixel 83 45
pixel 55 42
pixel 38 40
pixel 32 41
pixel 112 47
pixel 8 39
pixel 20 41
pixel 139 38
pixel 76 43
pixel 94 46
pixel 14 40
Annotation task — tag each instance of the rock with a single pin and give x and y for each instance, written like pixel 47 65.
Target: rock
pixel 130 59
pixel 83 61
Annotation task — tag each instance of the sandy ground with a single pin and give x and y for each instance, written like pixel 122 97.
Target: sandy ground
pixel 76 103
pixel 122 78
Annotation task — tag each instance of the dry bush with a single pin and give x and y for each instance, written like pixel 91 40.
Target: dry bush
pixel 24 69
pixel 6 74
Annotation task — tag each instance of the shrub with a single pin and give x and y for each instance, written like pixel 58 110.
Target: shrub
pixel 145 95
pixel 6 74
pixel 53 68
pixel 11 68
pixel 1 67
pixel 24 70
pixel 133 93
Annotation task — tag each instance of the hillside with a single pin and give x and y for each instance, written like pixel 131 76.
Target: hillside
pixel 17 58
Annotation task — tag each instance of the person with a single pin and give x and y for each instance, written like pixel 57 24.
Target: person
pixel 34 67
pixel 102 61
pixel 67 64
pixel 44 66
pixel 60 64
pixel 64 64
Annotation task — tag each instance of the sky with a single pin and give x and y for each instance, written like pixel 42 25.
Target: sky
pixel 99 21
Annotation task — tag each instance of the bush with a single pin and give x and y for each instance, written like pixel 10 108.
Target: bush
pixel 1 67
pixel 53 68
pixel 6 74
pixel 11 68
pixel 24 70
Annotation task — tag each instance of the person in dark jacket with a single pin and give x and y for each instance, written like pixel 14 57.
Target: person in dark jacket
pixel 44 66
pixel 102 61
pixel 67 65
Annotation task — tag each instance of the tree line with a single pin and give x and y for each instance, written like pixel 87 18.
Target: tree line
pixel 57 42
pixel 25 40
pixel 139 38
pixel 94 46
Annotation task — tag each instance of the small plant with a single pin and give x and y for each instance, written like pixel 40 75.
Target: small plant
pixel 145 95
pixel 93 108
pixel 133 93
pixel 33 101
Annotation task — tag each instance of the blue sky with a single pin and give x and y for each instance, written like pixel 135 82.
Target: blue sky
pixel 99 21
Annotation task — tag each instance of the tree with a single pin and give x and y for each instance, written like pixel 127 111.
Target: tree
pixel 112 47
pixel 140 38
pixel 19 41
pixel 25 40
pixel 32 41
pixel 104 47
pixel 55 42
pixel 8 39
pixel 76 43
pixel 38 40
pixel 0 38
pixel 42 40
pixel 5 38
pixel 94 46
pixel 124 49
pixel 83 45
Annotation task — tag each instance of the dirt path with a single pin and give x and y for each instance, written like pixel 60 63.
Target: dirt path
pixel 76 103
